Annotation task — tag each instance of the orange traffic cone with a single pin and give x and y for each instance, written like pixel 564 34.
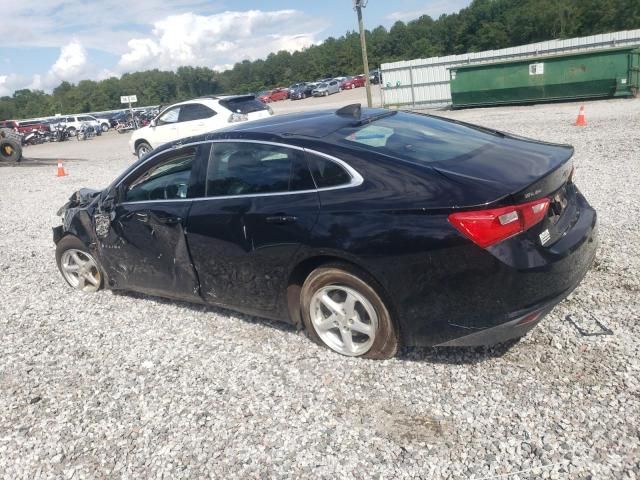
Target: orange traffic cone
pixel 581 122
pixel 61 172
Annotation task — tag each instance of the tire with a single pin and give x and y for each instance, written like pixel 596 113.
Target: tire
pixel 10 150
pixel 142 149
pixel 72 131
pixel 368 313
pixel 88 276
pixel 105 127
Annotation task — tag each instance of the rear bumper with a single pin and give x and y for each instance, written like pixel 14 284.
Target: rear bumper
pixel 516 328
pixel 473 296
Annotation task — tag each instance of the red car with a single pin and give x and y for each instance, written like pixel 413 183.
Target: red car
pixel 274 95
pixel 354 82
pixel 24 127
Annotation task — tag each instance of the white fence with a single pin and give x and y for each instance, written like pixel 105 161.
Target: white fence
pixel 425 82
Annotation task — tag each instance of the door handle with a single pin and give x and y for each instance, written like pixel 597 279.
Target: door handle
pixel 170 220
pixel 281 219
pixel 142 216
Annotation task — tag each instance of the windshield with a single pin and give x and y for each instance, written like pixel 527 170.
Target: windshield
pixel 418 138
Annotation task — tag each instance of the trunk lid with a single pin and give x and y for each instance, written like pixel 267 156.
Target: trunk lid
pixel 517 170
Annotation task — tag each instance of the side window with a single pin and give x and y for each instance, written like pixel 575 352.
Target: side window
pixel 70 120
pixel 85 119
pixel 170 116
pixel 327 173
pixel 167 180
pixel 252 168
pixel 195 111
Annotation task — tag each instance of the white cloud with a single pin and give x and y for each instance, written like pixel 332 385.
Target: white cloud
pixel 71 62
pixel 146 34
pixel 219 40
pixel 434 9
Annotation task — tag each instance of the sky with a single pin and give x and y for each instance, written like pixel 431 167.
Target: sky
pixel 48 41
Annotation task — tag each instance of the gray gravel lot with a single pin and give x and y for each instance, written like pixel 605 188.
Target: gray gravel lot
pixel 127 386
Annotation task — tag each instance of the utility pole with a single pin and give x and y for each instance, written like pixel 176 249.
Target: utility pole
pixel 358 5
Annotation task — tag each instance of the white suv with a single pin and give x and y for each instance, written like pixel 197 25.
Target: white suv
pixel 195 117
pixel 74 122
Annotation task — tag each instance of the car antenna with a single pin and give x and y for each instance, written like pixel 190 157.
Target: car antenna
pixel 354 110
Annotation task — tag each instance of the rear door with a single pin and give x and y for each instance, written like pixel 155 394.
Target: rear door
pixel 195 119
pixel 260 207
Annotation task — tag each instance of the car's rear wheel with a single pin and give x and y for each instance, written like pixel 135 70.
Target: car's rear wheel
pixel 342 311
pixel 142 149
pixel 78 266
pixel 105 127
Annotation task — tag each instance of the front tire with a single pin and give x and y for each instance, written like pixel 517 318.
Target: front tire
pixel 105 127
pixel 78 266
pixel 342 311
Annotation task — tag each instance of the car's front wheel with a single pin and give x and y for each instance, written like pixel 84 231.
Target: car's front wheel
pixel 142 149
pixel 78 266
pixel 105 127
pixel 342 310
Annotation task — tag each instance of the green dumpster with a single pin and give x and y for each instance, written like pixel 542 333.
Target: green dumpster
pixel 595 73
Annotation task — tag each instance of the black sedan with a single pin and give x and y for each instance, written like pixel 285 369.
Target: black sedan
pixel 300 91
pixel 371 228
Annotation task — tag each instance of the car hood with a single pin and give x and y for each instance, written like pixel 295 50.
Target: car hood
pixel 80 198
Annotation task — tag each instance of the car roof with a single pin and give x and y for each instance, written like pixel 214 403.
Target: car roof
pixel 315 123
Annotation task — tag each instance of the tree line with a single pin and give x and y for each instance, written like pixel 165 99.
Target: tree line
pixel 483 25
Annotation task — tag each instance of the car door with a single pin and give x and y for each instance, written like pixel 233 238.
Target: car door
pixel 144 247
pixel 195 119
pixel 260 207
pixel 166 128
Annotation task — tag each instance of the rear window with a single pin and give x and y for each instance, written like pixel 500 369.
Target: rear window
pixel 244 105
pixel 417 138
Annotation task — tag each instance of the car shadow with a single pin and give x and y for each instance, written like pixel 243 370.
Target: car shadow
pixel 437 355
pixel 455 355
pixel 206 308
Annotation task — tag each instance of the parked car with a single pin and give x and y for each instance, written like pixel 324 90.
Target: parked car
pixel 25 126
pixel 326 88
pixel 195 117
pixel 274 95
pixel 371 228
pixel 353 82
pixel 303 90
pixel 75 122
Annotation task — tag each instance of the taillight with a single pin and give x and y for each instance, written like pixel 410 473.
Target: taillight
pixel 488 227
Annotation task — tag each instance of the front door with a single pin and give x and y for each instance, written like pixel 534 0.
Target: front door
pixel 167 127
pixel 145 247
pixel 260 207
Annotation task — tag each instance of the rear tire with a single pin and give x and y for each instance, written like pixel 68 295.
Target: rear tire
pixel 10 150
pixel 142 149
pixel 342 311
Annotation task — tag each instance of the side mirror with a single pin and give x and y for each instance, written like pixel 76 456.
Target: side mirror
pixel 153 122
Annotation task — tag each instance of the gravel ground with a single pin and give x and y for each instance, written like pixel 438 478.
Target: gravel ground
pixel 127 386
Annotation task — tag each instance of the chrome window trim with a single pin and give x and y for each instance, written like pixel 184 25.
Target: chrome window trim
pixel 356 178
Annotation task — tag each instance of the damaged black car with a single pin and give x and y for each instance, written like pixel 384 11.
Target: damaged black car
pixel 369 228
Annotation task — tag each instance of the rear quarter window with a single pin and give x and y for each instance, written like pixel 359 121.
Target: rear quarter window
pixel 327 173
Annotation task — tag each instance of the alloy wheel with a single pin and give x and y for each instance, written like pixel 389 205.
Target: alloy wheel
pixel 344 319
pixel 81 270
